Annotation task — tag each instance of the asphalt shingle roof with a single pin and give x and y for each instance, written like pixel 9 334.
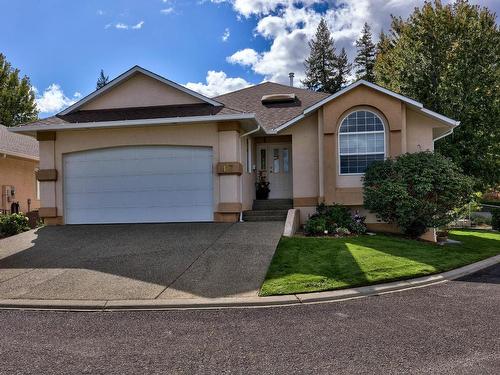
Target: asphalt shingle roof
pixel 16 144
pixel 271 116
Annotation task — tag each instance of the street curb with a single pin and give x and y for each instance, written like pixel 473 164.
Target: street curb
pixel 247 302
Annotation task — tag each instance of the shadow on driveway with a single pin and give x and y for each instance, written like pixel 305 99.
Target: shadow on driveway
pixel 138 261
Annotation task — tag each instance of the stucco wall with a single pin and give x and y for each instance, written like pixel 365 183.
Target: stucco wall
pixel 73 141
pixel 140 91
pixel 19 173
pixel 419 135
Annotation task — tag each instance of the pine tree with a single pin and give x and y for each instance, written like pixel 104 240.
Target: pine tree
pixel 365 58
pixel 17 98
pixel 102 80
pixel 342 70
pixel 321 63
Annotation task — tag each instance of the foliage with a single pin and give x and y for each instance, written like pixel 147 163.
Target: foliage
pixel 334 219
pixel 416 191
pixel 102 80
pixel 481 220
pixel 17 98
pixel 305 264
pixel 325 71
pixel 13 224
pixel 495 219
pixel 447 57
pixel 365 58
pixel 262 187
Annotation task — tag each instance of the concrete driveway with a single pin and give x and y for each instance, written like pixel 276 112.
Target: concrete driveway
pixel 138 261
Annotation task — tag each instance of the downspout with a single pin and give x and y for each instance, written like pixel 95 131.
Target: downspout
pixel 241 178
pixel 443 135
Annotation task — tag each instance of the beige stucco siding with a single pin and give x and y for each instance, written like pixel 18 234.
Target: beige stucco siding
pixel 419 136
pixel 74 141
pixel 19 173
pixel 247 178
pixel 140 91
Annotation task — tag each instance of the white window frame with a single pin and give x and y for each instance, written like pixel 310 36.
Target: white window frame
pixel 354 133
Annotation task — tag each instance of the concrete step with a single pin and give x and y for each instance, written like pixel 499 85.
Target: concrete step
pixel 272 204
pixel 265 215
pixel 264 218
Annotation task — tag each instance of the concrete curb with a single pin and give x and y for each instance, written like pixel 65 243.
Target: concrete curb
pixel 247 302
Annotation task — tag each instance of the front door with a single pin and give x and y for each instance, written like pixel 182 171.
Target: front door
pixel 275 162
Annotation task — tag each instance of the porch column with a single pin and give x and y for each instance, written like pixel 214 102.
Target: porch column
pixel 47 176
pixel 229 170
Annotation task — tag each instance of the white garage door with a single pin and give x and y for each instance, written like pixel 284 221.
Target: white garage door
pixel 143 184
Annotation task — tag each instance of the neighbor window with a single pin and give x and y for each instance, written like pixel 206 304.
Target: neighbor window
pixel 361 142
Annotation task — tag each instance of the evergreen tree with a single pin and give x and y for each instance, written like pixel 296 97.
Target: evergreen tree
pixel 102 80
pixel 448 58
pixel 342 70
pixel 365 58
pixel 321 64
pixel 17 98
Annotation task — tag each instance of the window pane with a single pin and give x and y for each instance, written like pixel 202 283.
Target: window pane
pixel 276 160
pixel 262 158
pixel 285 161
pixel 357 163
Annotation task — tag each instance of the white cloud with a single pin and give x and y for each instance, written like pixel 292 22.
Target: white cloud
pixel 290 24
pixel 108 25
pixel 167 10
pixel 100 12
pixel 138 25
pixel 217 83
pixel 53 99
pixel 226 35
pixel 246 57
pixel 124 26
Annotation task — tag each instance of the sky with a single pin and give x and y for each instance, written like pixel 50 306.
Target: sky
pixel 211 46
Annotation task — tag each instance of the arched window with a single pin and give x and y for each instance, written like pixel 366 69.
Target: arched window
pixel 361 141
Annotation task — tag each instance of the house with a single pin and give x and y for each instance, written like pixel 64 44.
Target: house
pixel 18 165
pixel 145 149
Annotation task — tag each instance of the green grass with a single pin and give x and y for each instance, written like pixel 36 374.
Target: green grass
pixel 304 264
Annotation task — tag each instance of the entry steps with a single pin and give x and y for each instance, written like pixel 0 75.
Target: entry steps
pixel 268 210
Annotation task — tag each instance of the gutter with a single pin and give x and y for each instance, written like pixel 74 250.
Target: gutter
pixel 132 123
pixel 443 135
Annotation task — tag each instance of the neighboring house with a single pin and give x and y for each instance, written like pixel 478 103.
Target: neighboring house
pixel 145 149
pixel 18 165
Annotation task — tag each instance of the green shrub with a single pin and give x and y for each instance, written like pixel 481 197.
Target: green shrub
pixel 416 191
pixel 316 225
pixel 13 224
pixel 481 220
pixel 495 219
pixel 334 219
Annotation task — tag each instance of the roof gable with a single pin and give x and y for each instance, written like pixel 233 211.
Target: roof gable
pixel 139 87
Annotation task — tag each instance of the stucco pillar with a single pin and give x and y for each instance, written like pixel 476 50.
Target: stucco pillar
pixel 48 201
pixel 229 170
pixel 321 171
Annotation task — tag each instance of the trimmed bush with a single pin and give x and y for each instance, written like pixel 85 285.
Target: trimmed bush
pixel 334 219
pixel 495 219
pixel 13 224
pixel 416 191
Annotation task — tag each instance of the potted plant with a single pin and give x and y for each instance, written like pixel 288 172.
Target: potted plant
pixel 262 187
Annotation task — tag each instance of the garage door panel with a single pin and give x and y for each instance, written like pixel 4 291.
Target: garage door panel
pixel 139 184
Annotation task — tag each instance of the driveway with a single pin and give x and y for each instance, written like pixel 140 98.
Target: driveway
pixel 138 261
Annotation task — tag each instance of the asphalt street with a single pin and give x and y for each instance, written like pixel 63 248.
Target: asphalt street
pixel 450 328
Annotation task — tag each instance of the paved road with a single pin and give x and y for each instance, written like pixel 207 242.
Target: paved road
pixel 451 328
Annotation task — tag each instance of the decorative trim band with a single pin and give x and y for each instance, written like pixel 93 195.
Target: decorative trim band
pixel 46 175
pixel 305 202
pixel 232 167
pixel 47 212
pixel 229 207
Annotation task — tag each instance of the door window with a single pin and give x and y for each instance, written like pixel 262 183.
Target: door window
pixel 286 166
pixel 262 158
pixel 276 160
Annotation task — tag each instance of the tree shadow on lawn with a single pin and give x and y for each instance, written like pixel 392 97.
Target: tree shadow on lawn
pixel 315 264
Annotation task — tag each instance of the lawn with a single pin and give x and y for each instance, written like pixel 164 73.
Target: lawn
pixel 303 264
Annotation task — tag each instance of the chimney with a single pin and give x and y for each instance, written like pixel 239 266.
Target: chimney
pixel 291 75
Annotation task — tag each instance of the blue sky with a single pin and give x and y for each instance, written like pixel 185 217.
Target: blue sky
pixel 62 45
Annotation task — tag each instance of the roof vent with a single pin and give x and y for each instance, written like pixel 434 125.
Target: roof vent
pixel 278 98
